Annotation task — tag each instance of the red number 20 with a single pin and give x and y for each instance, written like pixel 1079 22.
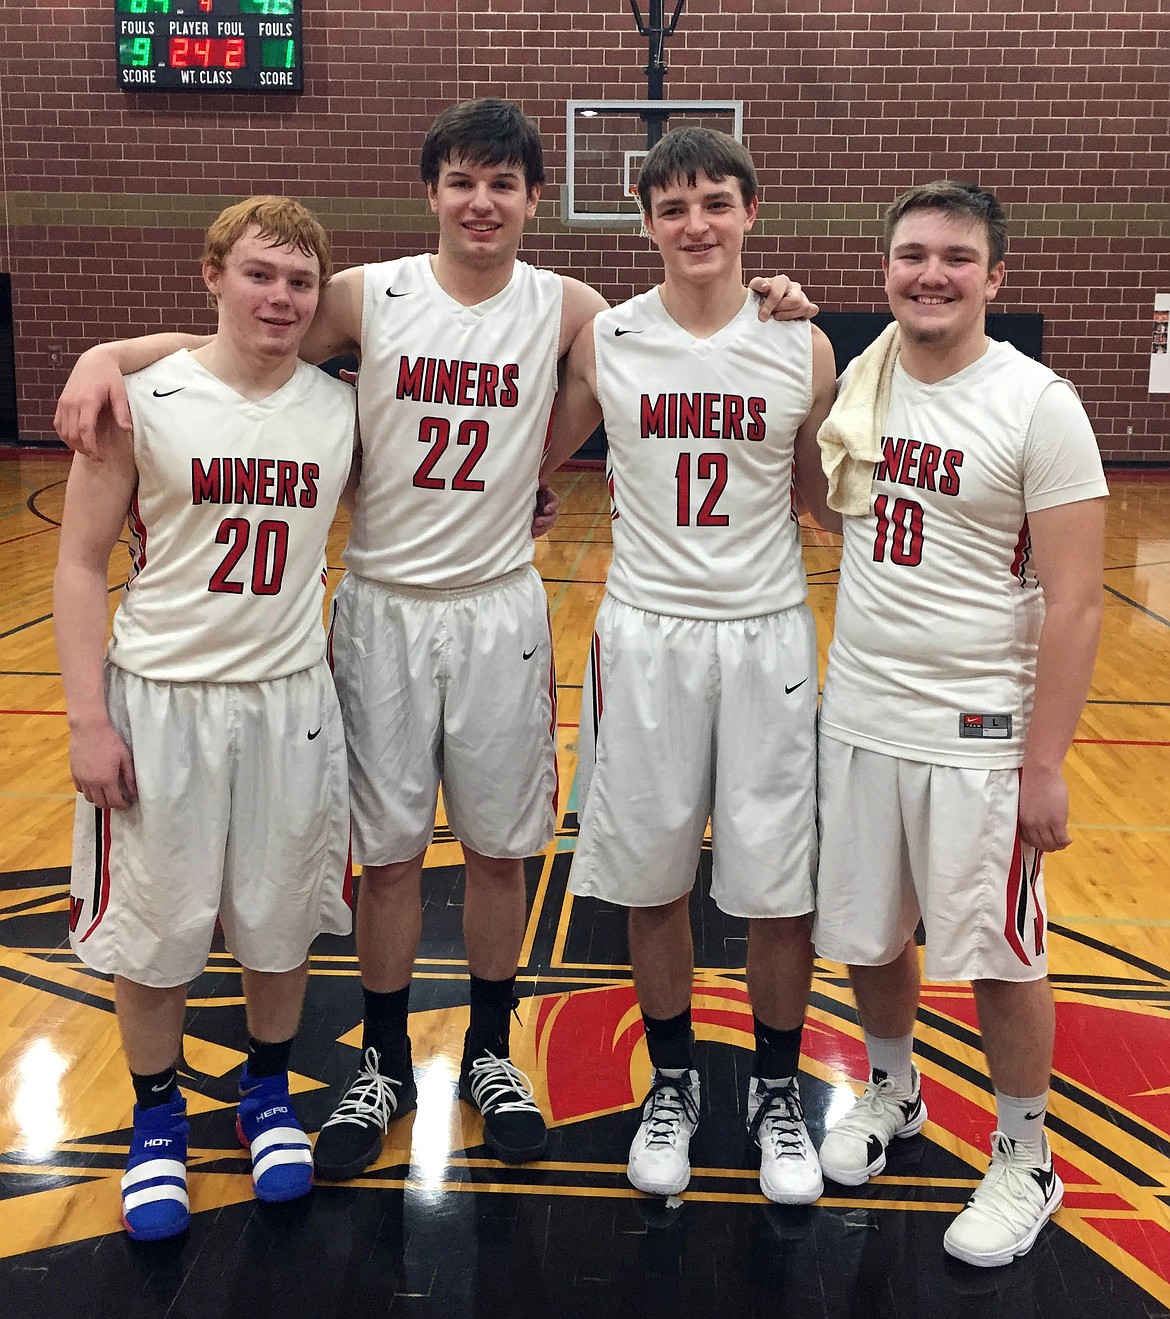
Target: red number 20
pixel 268 558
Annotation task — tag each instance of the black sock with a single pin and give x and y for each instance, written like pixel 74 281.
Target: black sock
pixel 492 1002
pixel 266 1059
pixel 777 1051
pixel 384 1027
pixel 668 1041
pixel 154 1091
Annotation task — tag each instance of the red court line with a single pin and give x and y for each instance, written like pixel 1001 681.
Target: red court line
pixel 57 712
pixel 1117 742
pixel 13 539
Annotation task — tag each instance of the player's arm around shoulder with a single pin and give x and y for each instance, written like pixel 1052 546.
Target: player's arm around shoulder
pixel 576 410
pixel 97 498
pixel 96 383
pixel 811 483
pixel 580 302
pixel 1067 553
pixel 337 325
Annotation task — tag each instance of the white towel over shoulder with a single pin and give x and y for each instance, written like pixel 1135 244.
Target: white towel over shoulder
pixel 850 436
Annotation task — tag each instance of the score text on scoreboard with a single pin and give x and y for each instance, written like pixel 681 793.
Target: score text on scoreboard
pixel 209 45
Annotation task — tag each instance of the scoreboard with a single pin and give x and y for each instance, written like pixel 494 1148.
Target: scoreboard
pixel 209 45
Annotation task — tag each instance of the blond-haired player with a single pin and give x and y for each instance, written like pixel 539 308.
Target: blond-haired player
pixel 206 740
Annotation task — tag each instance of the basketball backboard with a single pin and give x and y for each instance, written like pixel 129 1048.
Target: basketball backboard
pixel 605 144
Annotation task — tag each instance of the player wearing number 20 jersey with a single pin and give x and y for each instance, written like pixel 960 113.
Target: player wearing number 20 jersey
pixel 939 611
pixel 228 524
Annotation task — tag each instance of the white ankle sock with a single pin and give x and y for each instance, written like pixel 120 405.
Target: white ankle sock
pixel 1022 1119
pixel 892 1057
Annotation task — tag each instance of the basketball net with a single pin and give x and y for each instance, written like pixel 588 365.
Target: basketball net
pixel 632 188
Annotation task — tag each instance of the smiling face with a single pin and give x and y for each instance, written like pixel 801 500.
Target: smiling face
pixel 939 280
pixel 266 296
pixel 699 228
pixel 482 210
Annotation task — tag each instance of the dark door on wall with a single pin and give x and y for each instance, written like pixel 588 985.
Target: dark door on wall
pixel 8 430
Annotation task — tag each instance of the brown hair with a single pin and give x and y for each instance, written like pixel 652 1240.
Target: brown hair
pixel 961 199
pixel 486 131
pixel 685 152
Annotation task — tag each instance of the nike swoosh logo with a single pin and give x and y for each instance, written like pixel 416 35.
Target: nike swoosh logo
pixel 158 1089
pixel 391 294
pixel 617 334
pixel 1031 1117
pixel 528 654
pixel 789 690
pixel 313 735
pixel 166 393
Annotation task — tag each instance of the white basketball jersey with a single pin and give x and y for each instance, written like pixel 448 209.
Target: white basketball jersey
pixel 454 404
pixel 701 438
pixel 939 611
pixel 228 525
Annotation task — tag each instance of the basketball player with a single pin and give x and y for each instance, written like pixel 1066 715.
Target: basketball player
pixel 701 691
pixel 967 623
pixel 440 638
pixel 207 744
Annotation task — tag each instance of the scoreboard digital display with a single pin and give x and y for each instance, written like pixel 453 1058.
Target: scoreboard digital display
pixel 209 45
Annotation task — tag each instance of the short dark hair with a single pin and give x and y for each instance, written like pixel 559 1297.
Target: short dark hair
pixel 486 131
pixel 953 198
pixel 684 153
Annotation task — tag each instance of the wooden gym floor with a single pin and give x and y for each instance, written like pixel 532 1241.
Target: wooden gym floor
pixel 435 1227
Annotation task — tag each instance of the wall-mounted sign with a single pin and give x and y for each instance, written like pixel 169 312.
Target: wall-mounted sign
pixel 209 45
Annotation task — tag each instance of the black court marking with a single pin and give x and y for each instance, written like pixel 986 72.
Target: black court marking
pixel 1138 963
pixel 1120 595
pixel 31 503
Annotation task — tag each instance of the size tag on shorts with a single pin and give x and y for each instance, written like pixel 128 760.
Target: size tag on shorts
pixel 985 725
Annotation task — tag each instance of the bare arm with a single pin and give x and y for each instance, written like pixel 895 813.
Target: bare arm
pixel 577 411
pixel 811 483
pixel 1068 549
pixel 96 500
pixel 579 304
pixel 337 325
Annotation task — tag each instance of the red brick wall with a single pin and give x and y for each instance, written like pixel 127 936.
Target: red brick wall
pixel 1057 105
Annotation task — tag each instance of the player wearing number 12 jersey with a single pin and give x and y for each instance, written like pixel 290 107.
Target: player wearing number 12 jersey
pixel 208 746
pixel 701 692
pixel 967 622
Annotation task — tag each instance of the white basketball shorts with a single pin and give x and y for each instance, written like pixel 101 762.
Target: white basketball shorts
pixel 901 840
pixel 687 719
pixel 451 687
pixel 242 813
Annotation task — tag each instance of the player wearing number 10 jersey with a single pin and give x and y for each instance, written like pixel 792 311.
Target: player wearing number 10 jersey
pixel 967 624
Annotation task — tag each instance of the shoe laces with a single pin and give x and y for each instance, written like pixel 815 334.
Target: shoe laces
pixel 671 1101
pixel 370 1096
pixel 879 1107
pixel 779 1120
pixel 499 1086
pixel 1009 1191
